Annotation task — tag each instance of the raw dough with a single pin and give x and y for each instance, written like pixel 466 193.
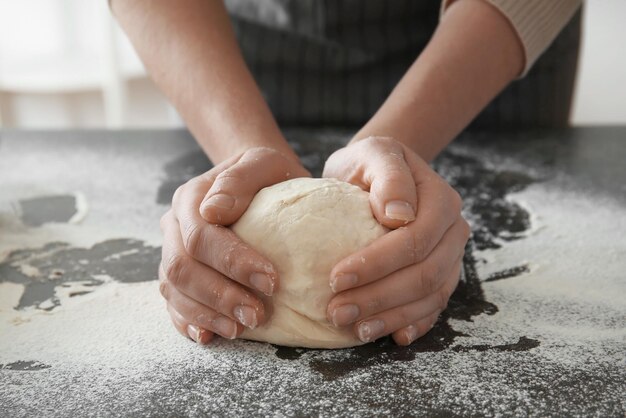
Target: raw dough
pixel 305 226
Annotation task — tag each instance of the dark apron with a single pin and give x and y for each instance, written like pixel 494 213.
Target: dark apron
pixel 334 62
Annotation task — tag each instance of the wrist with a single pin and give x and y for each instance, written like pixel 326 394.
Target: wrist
pixel 223 134
pixel 273 141
pixel 472 56
pixel 423 145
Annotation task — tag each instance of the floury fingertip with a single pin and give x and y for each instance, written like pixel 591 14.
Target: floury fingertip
pixel 193 332
pixel 225 327
pixel 410 333
pixel 262 282
pixel 370 330
pixel 246 315
pixel 343 281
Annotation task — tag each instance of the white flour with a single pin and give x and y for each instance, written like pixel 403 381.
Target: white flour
pixel 114 352
pixel 122 331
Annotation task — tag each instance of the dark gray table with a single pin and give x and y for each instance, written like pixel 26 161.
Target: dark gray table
pixel 537 328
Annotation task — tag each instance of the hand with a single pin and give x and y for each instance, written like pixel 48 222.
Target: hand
pixel 206 272
pixel 401 282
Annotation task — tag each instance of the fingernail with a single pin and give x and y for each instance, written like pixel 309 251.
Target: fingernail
pixel 399 210
pixel 222 201
pixel 411 333
pixel 345 315
pixel 246 315
pixel 193 332
pixel 225 327
pixel 262 282
pixel 343 281
pixel 370 330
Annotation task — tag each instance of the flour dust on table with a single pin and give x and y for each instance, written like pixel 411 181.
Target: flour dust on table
pixel 534 329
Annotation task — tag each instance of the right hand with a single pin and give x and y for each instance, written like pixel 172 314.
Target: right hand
pixel 207 274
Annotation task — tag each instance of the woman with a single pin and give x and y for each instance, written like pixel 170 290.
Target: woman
pixel 368 64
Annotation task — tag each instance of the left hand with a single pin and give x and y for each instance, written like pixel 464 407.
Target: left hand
pixel 400 283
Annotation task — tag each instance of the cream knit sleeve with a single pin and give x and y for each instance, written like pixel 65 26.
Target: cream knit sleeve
pixel 536 22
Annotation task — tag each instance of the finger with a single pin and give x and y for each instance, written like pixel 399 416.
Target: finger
pixel 199 335
pixel 392 188
pixel 408 334
pixel 200 316
pixel 233 189
pixel 204 181
pixel 398 249
pixel 400 288
pixel 385 323
pixel 196 318
pixel 206 285
pixel 217 246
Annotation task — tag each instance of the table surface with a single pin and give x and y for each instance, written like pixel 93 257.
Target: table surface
pixel 536 328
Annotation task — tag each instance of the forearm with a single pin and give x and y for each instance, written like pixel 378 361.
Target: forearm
pixel 190 51
pixel 472 56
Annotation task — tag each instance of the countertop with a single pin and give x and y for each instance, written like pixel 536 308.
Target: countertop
pixel 538 326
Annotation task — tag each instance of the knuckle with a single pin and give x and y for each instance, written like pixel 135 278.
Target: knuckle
pixel 455 281
pixel 275 158
pixel 228 259
pixel 457 201
pixel 175 269
pixel 425 325
pixel 214 293
pixel 202 316
pixel 163 289
pixel 416 246
pixel 234 173
pixel 177 193
pixel 335 159
pixel 228 296
pixel 442 299
pixel 264 153
pixel 193 239
pixel 238 172
pixel 396 174
pixel 375 304
pixel 385 141
pixel 429 278
pixel 164 219
pixel 422 328
pixel 405 314
pixel 467 230
pixel 223 295
pixel 433 319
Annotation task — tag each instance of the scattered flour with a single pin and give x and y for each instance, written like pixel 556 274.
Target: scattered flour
pixel 117 341
pixel 113 351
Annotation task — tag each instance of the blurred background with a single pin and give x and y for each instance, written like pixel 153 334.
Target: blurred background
pixel 67 64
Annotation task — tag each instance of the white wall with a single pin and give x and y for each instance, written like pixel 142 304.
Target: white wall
pixel 56 68
pixel 61 43
pixel 601 86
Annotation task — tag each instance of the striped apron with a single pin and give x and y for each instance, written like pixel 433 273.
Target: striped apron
pixel 334 62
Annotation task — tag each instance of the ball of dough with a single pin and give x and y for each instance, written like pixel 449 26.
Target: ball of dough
pixel 304 227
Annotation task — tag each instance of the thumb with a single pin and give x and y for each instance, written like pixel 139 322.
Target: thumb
pixel 234 188
pixel 393 196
